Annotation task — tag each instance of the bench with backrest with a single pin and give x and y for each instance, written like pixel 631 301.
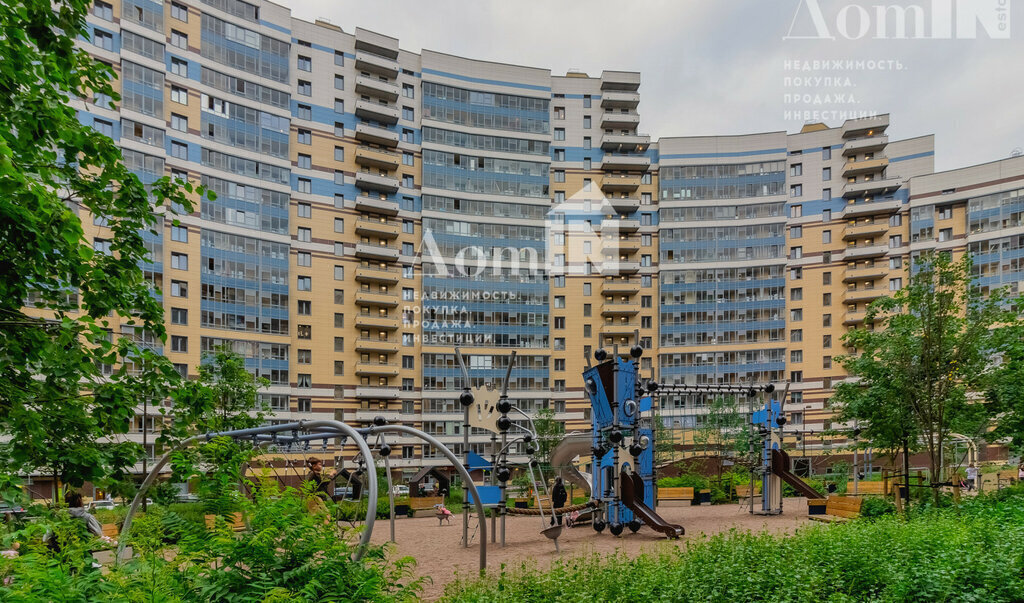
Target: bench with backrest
pixel 420 503
pixel 677 494
pixel 873 488
pixel 235 521
pixel 840 508
pixel 1006 478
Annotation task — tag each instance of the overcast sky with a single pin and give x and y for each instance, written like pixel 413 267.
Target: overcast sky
pixel 718 67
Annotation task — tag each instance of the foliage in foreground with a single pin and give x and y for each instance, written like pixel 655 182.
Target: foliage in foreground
pixel 288 553
pixel 968 554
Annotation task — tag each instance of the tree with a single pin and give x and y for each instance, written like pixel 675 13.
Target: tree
pixel 550 432
pixel 1005 393
pixel 725 431
pixel 664 441
pixel 931 346
pixel 58 411
pixel 223 398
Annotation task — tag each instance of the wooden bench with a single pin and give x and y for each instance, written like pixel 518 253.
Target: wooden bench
pixel 873 488
pixel 235 521
pixel 840 508
pixel 421 503
pixel 1006 478
pixel 675 494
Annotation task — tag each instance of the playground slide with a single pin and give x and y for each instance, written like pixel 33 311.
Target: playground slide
pixel 573 445
pixel 632 486
pixel 780 467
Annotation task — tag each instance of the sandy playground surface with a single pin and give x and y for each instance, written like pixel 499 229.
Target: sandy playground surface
pixel 440 555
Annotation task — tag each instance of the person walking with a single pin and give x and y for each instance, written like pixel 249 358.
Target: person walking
pixel 321 482
pixel 558 497
pixel 972 477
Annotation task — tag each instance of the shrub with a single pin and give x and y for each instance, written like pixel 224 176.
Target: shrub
pixel 966 554
pixel 876 506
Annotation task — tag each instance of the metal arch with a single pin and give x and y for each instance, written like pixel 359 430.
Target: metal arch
pixel 466 478
pixel 345 429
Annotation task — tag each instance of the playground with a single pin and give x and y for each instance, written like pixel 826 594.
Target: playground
pixel 440 556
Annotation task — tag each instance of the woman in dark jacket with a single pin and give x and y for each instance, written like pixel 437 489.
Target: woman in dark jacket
pixel 558 497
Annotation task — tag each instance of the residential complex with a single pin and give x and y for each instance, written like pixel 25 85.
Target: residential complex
pixel 377 208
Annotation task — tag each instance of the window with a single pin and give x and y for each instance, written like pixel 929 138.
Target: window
pixel 945 234
pixel 796 252
pixel 304 210
pixel 797 190
pixel 408 91
pixel 103 39
pixel 339 296
pixel 304 63
pixel 796 356
pixel 304 380
pixel 305 234
pixel 586 122
pixel 408 272
pixel 179 12
pixel 104 11
pixel 179 122
pixel 826 299
pixel 796 294
pixel 896 263
pixel 179 233
pixel 826 362
pixel 408 362
pixel 305 88
pixel 559 175
pixel 796 335
pixel 559 154
pixel 339 82
pixel 587 143
pixel 304 136
pixel 826 194
pixel 826 236
pixel 179 150
pixel 560 343
pixel 796 211
pixel 895 241
pixel 796 376
pixel 559 112
pixel 797 169
pixel 179 40
pixel 339 105
pixel 408 114
pixel 304 283
pixel 559 133
pixel 796 314
pixel 304 356
pixel 179 289
pixel 826 278
pixel 826 320
pixel 179 343
pixel 304 332
pixel 559 364
pixel 179 261
pixel 408 249
pixel 826 215
pixel 179 316
pixel 179 67
pixel 559 322
pixel 305 161
pixel 586 101
pixel 339 58
pixel 826 341
pixel 339 367
pixel 305 405
pixel 796 232
pixel 895 284
pixel 408 135
pixel 796 274
pixel 304 258
pixel 945 213
pixel 896 220
pixel 339 320
pixel 305 307
pixel 179 95
pixel 339 273
pixel 826 153
pixel 103 127
pixel 407 181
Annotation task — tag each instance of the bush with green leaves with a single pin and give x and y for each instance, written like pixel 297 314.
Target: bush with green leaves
pixel 288 553
pixel 970 553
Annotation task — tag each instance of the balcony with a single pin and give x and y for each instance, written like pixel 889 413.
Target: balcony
pixel 626 162
pixel 624 205
pixel 377 369
pixel 378 158
pixel 872 187
pixel 625 143
pixel 621 244
pixel 870 144
pixel 865 295
pixel 619 225
pixel 380 183
pixel 620 80
pixel 364 344
pixel 863 231
pixel 620 286
pixel 377 392
pixel 367 415
pixel 616 99
pixel 870 208
pixel 372 134
pixel 615 267
pixel 865 273
pixel 374 321
pixel 614 120
pixel 619 328
pixel 620 308
pixel 377 275
pixel 376 87
pixel 854 318
pixel 376 205
pixel 868 126
pixel 863 253
pixel 383 253
pixel 376 298
pixel 620 183
pixel 373 63
pixel 371 41
pixel 370 227
pixel 864 166
pixel 371 111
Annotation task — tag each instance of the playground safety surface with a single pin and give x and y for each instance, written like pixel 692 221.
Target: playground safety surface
pixel 439 553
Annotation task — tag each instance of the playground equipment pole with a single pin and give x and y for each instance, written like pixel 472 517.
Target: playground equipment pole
pixel 391 489
pixel 615 427
pixel 465 450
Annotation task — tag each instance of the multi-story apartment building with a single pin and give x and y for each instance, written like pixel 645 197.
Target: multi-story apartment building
pixel 378 208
